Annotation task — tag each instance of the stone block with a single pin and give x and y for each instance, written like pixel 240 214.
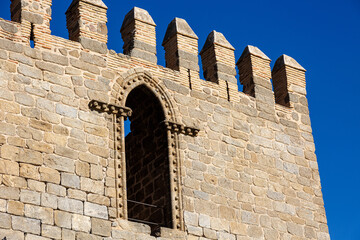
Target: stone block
pixel 56 189
pixel 26 224
pixel 3 204
pixel 49 200
pixel 50 67
pixel 66 111
pixel 9 27
pixel 15 207
pixel 70 205
pixel 81 223
pixel 98 199
pixel 101 227
pixel 59 163
pixel 50 231
pixel 55 58
pixel 5 220
pixel 97 172
pixel 46 215
pixel 85 66
pixel 63 219
pixel 35 237
pixel 9 193
pixel 49 175
pixel 29 171
pixel 191 218
pixel 82 169
pixel 11 46
pixel 9 167
pixel 92 186
pixel 67 234
pixel 11 235
pixel 93 45
pixel 70 180
pixel 15 182
pixel 77 194
pixel 95 210
pixel 29 71
pixel 32 197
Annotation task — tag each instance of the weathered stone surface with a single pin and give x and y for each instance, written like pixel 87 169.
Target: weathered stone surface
pixel 95 210
pixel 29 71
pixel 66 111
pixel 248 170
pixel 101 227
pixel 70 180
pixel 8 27
pixel 32 197
pixel 93 45
pixel 5 220
pixel 15 207
pixel 49 200
pixel 9 167
pixel 62 219
pixel 81 223
pixel 11 46
pixel 55 58
pixel 44 214
pixel 26 224
pixel 50 231
pixel 49 175
pixel 32 17
pixel 70 205
pixel 13 181
pixel 9 193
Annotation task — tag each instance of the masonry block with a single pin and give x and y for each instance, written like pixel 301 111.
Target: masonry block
pixel 139 36
pixel 181 46
pixel 289 80
pixel 34 17
pixel 86 22
pixel 218 60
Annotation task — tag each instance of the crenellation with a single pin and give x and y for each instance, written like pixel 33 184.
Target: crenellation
pixel 139 36
pixel 86 19
pixel 34 18
pixel 221 163
pixel 289 81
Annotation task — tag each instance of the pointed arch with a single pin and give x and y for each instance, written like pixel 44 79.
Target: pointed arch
pixel 130 84
pixel 136 77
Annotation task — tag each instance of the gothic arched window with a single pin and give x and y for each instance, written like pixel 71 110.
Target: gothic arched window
pixel 147 161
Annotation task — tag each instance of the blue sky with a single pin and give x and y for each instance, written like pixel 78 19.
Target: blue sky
pixel 323 36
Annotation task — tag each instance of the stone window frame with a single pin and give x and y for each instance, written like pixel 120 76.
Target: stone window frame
pixel 121 89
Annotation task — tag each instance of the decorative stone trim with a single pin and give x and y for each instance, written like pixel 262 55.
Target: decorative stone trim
pixel 119 115
pixel 110 109
pixel 181 129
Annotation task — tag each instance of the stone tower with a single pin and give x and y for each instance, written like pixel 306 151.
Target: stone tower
pixel 202 160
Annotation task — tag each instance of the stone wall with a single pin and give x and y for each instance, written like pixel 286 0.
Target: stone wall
pixel 241 165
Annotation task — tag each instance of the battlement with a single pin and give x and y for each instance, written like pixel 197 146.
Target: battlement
pixel 86 22
pixel 202 160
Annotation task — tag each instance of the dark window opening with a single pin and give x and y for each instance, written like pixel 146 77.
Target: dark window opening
pixel 147 163
pixel 32 41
